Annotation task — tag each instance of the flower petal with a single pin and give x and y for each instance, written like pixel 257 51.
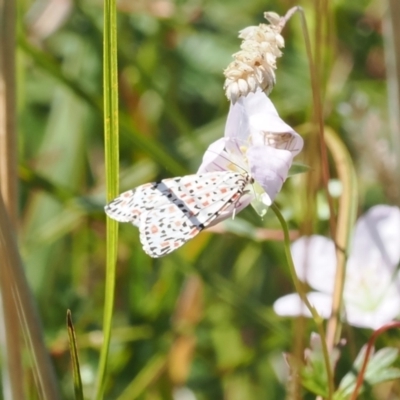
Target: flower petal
pixel 371 297
pixel 257 110
pixel 292 306
pixel 223 155
pixel 315 261
pixel 269 167
pixel 256 115
pixel 213 158
pixel 386 311
pixel 377 238
pixel 237 123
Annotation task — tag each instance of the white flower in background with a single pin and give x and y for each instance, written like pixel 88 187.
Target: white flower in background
pixel 183 393
pixel 253 66
pixel 371 295
pixel 258 142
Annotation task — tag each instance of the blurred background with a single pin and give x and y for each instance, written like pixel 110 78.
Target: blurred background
pixel 197 324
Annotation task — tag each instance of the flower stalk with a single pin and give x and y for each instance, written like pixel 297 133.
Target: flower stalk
pixel 299 288
pixel 254 65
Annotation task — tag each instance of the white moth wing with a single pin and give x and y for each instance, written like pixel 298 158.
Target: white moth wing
pixel 173 211
pixel 128 206
pixel 202 198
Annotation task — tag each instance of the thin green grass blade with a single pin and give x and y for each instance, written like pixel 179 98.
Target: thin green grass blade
pixel 74 357
pixel 144 379
pixel 347 214
pixel 111 142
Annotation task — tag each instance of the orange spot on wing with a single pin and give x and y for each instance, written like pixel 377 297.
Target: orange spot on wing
pixel 154 229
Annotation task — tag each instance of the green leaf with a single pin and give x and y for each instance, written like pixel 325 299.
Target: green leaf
pixel 298 168
pixel 378 371
pixel 74 357
pixel 382 359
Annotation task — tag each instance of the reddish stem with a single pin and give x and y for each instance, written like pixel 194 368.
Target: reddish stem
pixel 370 344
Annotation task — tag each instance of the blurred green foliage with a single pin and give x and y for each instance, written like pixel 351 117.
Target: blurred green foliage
pixel 200 317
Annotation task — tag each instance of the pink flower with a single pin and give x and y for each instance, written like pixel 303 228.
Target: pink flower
pixel 372 287
pixel 258 142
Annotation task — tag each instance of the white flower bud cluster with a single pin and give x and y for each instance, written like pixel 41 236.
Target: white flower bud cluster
pixel 254 64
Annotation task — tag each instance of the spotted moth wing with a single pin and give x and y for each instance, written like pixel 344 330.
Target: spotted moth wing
pixel 129 206
pixel 199 201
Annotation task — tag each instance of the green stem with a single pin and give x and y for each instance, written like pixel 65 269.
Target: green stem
pixel 111 140
pixel 318 115
pixel 297 284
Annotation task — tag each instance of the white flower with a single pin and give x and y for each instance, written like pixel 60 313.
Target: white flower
pixel 253 66
pixel 258 142
pixel 372 287
pixel 183 393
